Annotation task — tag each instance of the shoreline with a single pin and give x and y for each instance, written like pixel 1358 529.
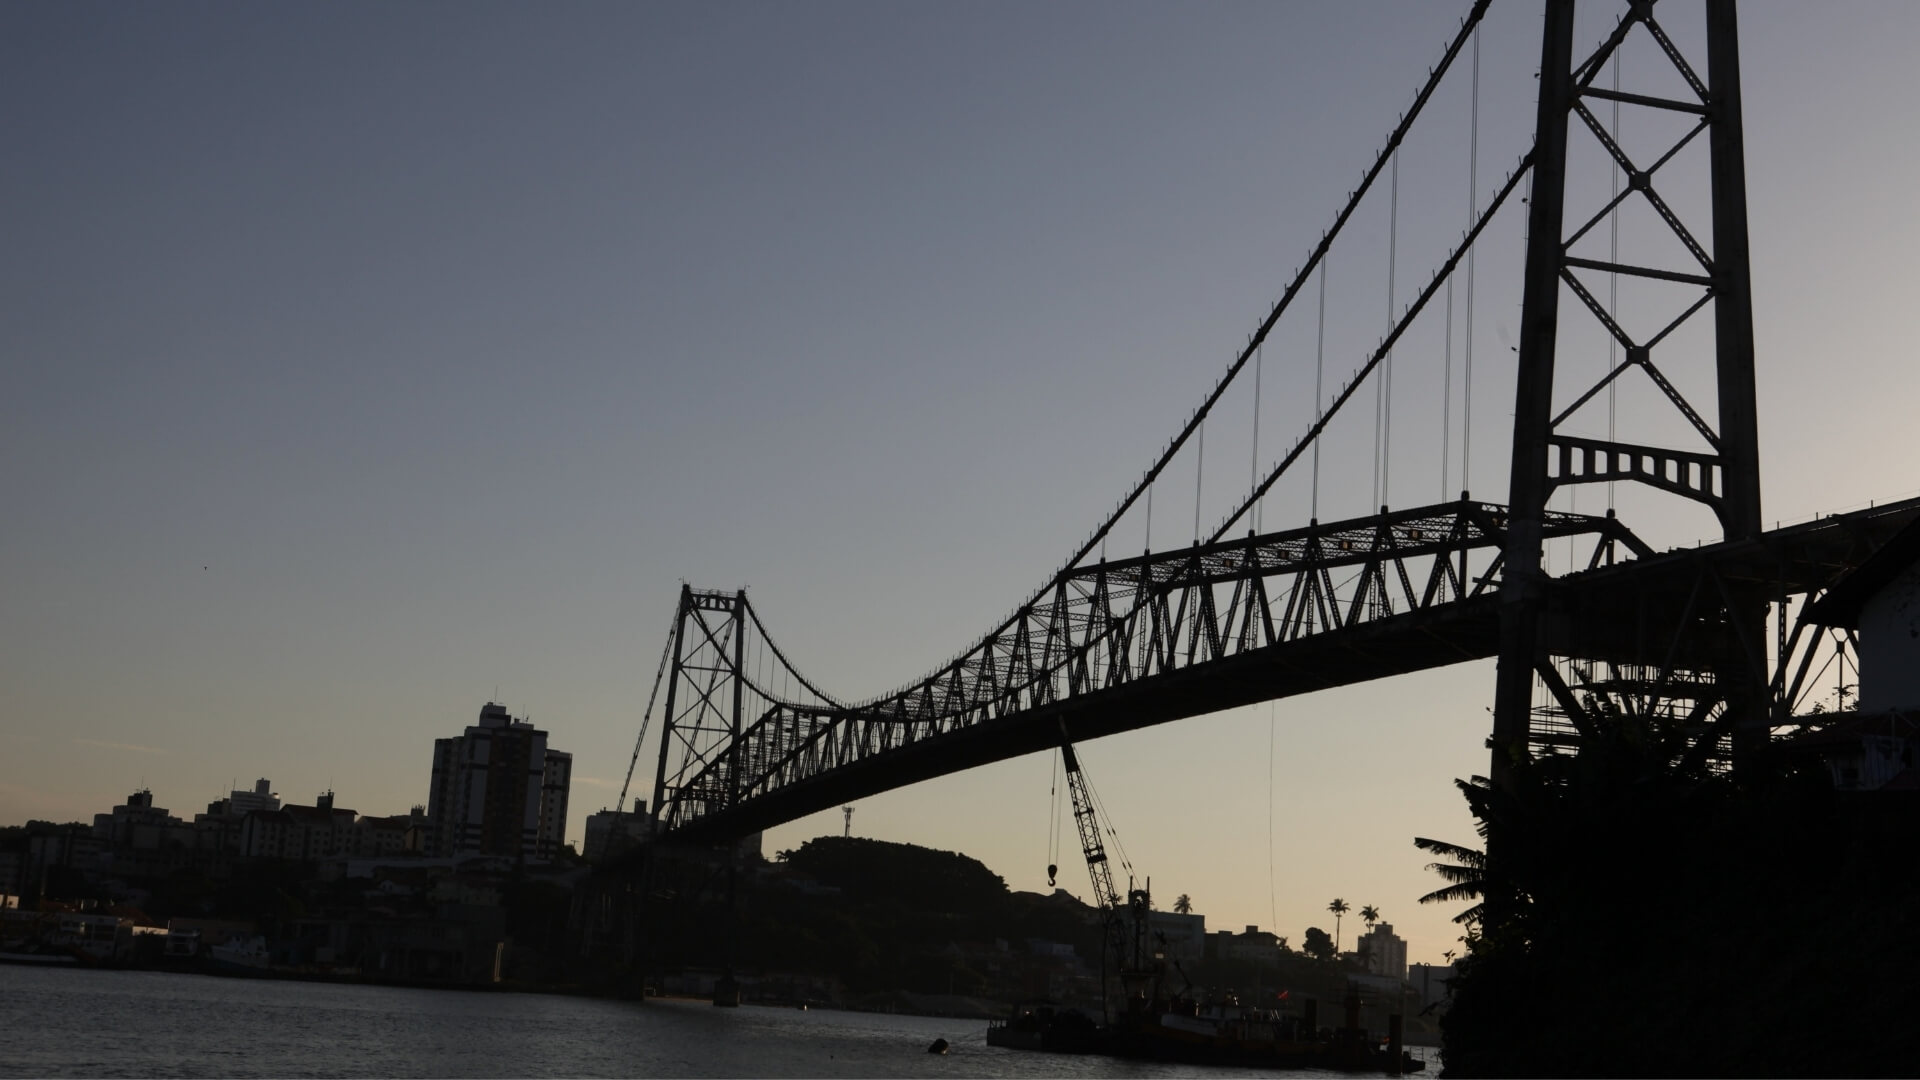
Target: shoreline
pixel 504 986
pixel 1429 1040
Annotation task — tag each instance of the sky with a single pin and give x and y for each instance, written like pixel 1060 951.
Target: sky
pixel 365 363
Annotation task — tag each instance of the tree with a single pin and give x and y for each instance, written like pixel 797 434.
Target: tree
pixel 1465 877
pixel 1371 914
pixel 1317 944
pixel 1183 904
pixel 1339 907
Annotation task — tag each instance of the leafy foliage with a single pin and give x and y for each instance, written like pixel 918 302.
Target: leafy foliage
pixel 906 874
pixel 1465 876
pixel 1759 925
pixel 1317 943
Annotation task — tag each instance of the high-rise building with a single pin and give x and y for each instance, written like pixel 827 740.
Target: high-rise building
pixel 1386 952
pixel 499 790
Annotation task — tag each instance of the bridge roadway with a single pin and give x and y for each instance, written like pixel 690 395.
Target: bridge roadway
pixel 1627 612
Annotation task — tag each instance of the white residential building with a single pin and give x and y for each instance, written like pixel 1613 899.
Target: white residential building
pixel 498 789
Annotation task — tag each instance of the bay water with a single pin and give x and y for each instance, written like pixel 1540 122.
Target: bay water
pixel 60 1022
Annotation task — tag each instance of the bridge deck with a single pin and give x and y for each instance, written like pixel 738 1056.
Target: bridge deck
pixel 1625 612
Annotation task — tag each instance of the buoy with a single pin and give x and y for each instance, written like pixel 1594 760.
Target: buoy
pixel 939 1047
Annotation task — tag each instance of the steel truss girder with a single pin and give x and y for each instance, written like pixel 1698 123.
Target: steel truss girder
pixel 1650 634
pixel 1108 625
pixel 1667 637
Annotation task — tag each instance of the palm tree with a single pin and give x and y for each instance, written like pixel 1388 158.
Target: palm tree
pixel 1338 907
pixel 1371 914
pixel 1183 904
pixel 1465 876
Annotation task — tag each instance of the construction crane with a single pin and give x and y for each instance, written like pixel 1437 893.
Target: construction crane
pixel 1126 923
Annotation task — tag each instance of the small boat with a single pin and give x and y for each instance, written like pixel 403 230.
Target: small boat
pixel 238 956
pixel 40 959
pixel 1043 1025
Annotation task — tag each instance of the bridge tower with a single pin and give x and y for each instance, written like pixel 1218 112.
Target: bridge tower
pixel 704 708
pixel 1706 666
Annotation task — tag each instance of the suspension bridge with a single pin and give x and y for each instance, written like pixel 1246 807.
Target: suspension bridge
pixel 1711 639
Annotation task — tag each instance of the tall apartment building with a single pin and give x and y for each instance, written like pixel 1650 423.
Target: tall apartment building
pixel 1386 952
pixel 499 790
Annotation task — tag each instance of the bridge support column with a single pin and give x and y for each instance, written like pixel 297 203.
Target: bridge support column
pixel 1523 587
pixel 1733 368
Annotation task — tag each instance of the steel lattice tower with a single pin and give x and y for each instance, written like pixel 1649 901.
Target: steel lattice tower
pixel 1725 478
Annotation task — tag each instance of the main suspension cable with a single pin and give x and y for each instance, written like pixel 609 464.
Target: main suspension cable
pixel 1468 27
pixel 786 663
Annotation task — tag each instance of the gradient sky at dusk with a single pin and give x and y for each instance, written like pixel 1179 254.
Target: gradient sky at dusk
pixel 366 362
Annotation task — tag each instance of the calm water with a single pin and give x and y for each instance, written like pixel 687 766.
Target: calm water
pixel 123 1023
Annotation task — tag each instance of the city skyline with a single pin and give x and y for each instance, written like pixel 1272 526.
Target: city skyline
pixel 387 361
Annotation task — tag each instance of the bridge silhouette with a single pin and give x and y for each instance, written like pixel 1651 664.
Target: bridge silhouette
pixel 1244 614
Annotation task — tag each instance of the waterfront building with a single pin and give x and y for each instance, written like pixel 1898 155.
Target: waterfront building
pixel 138 825
pixel 401 834
pixel 556 777
pixel 610 832
pixel 1430 981
pixel 1386 953
pixel 262 797
pixel 1185 935
pixel 57 852
pixel 499 789
pixel 302 833
pixel 1253 944
pixel 216 833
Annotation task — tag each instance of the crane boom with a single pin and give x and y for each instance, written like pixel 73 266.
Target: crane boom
pixel 1126 922
pixel 1088 823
